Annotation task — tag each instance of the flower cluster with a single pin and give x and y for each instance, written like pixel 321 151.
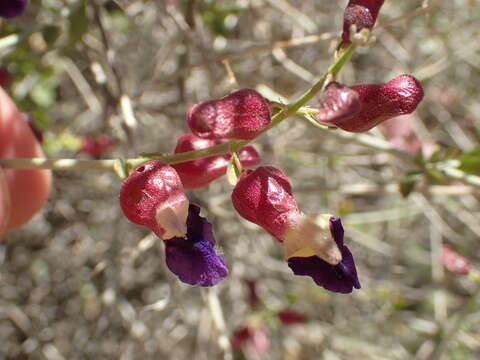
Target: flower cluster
pixel 153 195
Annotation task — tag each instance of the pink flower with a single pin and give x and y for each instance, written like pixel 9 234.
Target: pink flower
pixel 241 115
pixel 201 172
pixel 454 262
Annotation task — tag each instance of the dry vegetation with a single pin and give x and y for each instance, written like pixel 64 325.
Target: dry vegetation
pixel 81 282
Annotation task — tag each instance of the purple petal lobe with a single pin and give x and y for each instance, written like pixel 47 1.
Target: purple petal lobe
pixel 336 229
pixel 193 258
pixel 341 278
pixel 12 8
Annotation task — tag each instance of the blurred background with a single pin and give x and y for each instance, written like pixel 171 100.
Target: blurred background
pixel 81 282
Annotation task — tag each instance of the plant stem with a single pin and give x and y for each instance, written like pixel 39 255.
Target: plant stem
pixel 228 147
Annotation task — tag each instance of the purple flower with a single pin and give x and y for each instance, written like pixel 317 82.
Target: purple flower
pixel 341 278
pixel 12 8
pixel 193 258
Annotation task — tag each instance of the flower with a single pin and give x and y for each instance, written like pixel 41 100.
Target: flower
pixel 241 115
pixel 378 102
pixel 361 13
pixel 254 337
pixel 96 145
pixel 152 196
pixel 291 317
pixel 313 244
pixel 12 8
pixel 454 262
pixel 253 299
pixel 201 172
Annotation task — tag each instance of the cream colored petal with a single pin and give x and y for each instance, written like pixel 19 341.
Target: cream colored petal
pixel 310 237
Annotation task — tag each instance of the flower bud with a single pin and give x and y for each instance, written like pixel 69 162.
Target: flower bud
pixel 201 172
pixel 361 13
pixel 152 196
pixel 254 337
pixel 96 145
pixel 379 102
pixel 12 8
pixel 291 317
pixel 454 262
pixel 241 115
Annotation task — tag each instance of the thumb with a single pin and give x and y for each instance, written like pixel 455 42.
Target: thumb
pixel 27 189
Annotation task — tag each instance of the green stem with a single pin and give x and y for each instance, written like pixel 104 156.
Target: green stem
pixel 228 147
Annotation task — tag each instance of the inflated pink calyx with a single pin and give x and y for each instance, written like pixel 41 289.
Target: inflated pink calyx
pixel 241 115
pixel 379 102
pixel 201 172
pixel 361 13
pixel 153 196
pixel 264 197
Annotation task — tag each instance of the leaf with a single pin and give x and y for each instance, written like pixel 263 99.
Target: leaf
pixel 51 33
pixel 233 170
pixel 435 176
pixel 406 186
pixel 44 92
pixel 408 183
pixel 444 153
pixel 470 162
pixel 78 23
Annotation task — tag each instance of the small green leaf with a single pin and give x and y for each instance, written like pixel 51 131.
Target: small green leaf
pixel 43 93
pixel 406 186
pixel 408 182
pixel 51 33
pixel 78 23
pixel 435 176
pixel 470 162
pixel 444 153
